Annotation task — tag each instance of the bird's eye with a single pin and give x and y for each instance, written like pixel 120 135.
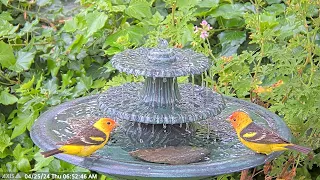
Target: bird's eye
pixel 234 120
pixel 108 123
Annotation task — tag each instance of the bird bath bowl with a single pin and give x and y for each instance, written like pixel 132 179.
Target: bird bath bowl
pixel 157 113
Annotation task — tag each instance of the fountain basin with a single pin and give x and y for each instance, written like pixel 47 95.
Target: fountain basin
pixel 227 153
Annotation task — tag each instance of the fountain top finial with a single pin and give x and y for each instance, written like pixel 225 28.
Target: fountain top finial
pixel 163 44
pixel 160 61
pixel 162 54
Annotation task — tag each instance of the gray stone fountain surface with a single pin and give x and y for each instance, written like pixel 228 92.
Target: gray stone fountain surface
pixel 159 100
pixel 174 63
pixel 196 103
pixel 159 113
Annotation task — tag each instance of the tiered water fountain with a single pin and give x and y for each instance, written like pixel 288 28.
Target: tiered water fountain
pixel 159 113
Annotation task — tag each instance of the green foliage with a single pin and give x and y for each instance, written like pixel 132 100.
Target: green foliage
pixel 263 51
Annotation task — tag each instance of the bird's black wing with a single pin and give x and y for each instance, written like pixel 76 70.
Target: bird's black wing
pixel 89 136
pixel 257 134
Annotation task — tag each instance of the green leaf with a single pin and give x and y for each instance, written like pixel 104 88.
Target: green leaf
pixel 5 141
pixel 6 98
pixel 276 9
pixel 5 153
pixel 119 8
pixel 53 67
pixel 7 58
pixel 187 34
pixel 183 79
pixel 20 123
pixel 273 1
pixel 138 9
pixel 77 43
pixel 229 11
pixel 134 33
pixel 44 2
pixel 231 41
pixel 24 165
pixel 18 152
pixel 86 81
pixel 29 27
pixel 99 83
pixel 6 16
pixel 24 61
pixel 112 51
pixel 186 4
pixel 51 86
pixel 84 84
pixel 41 161
pixel 27 85
pixel 66 79
pixel 208 3
pixel 95 21
pixel 70 25
pixel 5 2
pixel 234 22
pixel 268 21
pixel 290 26
pixel 6 28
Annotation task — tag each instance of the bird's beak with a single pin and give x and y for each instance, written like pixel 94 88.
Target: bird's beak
pixel 228 119
pixel 117 124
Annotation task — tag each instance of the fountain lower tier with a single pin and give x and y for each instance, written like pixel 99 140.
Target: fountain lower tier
pixel 161 102
pixel 227 153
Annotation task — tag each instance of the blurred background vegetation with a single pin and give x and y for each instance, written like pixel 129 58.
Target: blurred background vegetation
pixel 264 51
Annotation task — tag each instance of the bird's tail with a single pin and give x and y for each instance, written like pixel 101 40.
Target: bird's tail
pixel 302 149
pixel 51 152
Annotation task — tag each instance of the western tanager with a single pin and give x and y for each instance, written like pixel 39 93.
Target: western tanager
pixel 259 139
pixel 86 141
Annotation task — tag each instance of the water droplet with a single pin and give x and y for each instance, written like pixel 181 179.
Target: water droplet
pixel 164 80
pixel 208 129
pixel 152 131
pixel 192 80
pixel 202 80
pixel 141 140
pixel 139 127
pixel 164 126
pixel 180 125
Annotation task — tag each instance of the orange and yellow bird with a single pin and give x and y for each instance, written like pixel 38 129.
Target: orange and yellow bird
pixel 87 141
pixel 260 139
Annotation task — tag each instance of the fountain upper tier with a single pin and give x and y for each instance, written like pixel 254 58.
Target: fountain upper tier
pixel 160 61
pixel 160 100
